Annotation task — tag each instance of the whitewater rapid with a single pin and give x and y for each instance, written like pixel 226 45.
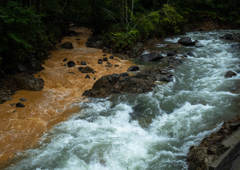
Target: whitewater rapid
pixel 151 131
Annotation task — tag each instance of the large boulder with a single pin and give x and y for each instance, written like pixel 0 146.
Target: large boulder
pixel 28 82
pixel 151 57
pixel 186 41
pixel 67 45
pixel 123 83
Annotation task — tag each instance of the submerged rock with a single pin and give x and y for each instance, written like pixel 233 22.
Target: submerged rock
pixel 85 69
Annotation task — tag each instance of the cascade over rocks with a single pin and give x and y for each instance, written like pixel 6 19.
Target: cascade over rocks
pixel 123 83
pixel 186 41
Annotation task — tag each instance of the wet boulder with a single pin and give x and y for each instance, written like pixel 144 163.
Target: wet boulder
pixel 20 105
pixel 230 74
pixel 28 82
pixel 87 77
pixel 133 68
pixel 228 37
pixel 151 57
pixel 105 59
pixel 100 61
pixel 67 45
pixel 186 41
pixel 190 54
pixel 85 69
pixel 123 83
pixel 71 64
pixel 172 53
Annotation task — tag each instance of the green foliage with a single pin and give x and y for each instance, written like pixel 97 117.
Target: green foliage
pixel 122 41
pixel 156 23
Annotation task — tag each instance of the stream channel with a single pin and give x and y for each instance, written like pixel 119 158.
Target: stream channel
pixel 151 131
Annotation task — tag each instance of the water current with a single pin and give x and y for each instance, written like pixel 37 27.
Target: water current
pixel 151 131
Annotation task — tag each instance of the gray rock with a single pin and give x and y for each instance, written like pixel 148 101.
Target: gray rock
pixel 151 57
pixel 186 41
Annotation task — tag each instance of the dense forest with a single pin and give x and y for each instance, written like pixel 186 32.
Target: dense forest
pixel 30 28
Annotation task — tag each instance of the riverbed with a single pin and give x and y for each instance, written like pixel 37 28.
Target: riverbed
pixel 149 131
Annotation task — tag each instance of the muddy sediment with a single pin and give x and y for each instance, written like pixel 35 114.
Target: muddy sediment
pixel 21 128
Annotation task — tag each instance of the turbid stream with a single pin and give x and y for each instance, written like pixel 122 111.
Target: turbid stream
pixel 151 131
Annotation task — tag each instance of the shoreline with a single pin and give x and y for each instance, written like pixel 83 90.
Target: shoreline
pixel 21 128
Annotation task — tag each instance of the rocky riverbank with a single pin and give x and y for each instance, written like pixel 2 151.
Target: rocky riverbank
pixel 220 150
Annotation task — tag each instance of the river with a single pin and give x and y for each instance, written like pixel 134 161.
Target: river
pixel 151 131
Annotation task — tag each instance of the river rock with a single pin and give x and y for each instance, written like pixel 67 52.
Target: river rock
pixel 211 148
pixel 83 63
pixel 87 77
pixel 190 54
pixel 133 68
pixel 5 95
pixel 123 83
pixel 100 61
pixel 71 64
pixel 228 37
pixel 172 53
pixel 23 99
pixel 27 82
pixel 85 69
pixel 95 42
pixel 230 74
pixel 111 57
pixel 67 45
pixel 151 57
pixel 20 105
pixel 65 59
pixel 105 59
pixel 186 41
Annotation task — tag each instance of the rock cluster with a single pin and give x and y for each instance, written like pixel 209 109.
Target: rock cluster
pixel 123 83
pixel 202 156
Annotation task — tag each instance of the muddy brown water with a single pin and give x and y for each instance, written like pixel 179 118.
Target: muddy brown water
pixel 21 128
